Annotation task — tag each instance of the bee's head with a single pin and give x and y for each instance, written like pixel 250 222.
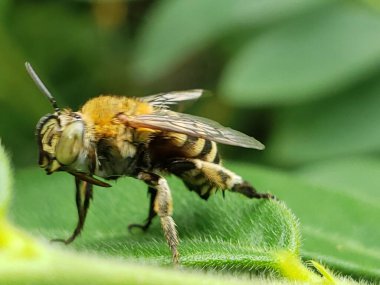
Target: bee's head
pixel 60 138
pixel 60 135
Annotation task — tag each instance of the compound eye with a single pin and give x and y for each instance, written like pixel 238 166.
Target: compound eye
pixel 70 143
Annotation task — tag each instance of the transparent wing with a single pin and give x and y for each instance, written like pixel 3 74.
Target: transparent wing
pixel 163 100
pixel 193 126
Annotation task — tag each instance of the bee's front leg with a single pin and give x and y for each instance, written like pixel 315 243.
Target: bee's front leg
pixel 163 206
pixel 152 213
pixel 83 197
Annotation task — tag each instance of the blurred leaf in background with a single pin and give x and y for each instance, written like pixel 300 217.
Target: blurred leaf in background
pixel 278 65
pixel 75 52
pixel 287 53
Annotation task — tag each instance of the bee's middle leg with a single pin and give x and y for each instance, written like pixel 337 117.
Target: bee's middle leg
pixel 163 206
pixel 152 213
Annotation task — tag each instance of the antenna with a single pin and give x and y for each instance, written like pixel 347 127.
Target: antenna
pixel 41 86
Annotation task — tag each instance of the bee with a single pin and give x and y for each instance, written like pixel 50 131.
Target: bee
pixel 115 136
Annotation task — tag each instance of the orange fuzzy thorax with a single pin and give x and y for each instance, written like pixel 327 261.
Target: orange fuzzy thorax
pixel 100 113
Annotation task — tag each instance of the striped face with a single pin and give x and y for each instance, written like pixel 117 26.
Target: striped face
pixel 48 134
pixel 60 138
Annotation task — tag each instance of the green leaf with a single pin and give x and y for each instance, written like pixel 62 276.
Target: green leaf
pixel 24 260
pixel 176 30
pixel 310 57
pixel 337 227
pixel 235 233
pixel 65 268
pixel 226 235
pixel 335 127
pixel 13 243
pixel 43 204
pixel 355 179
pixel 231 234
pixel 6 182
pixel 358 177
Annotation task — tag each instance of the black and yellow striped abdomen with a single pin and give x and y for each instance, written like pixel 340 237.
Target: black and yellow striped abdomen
pixel 178 152
pixel 170 145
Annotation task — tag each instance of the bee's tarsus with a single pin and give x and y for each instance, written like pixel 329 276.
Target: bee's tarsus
pixel 133 226
pixel 58 240
pixel 143 227
pixel 249 191
pixel 65 241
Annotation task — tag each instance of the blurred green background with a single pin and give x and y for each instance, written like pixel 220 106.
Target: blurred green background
pixel 300 76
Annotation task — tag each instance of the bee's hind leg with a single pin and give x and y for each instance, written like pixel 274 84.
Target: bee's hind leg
pixel 83 196
pixel 152 192
pixel 163 206
pixel 215 175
